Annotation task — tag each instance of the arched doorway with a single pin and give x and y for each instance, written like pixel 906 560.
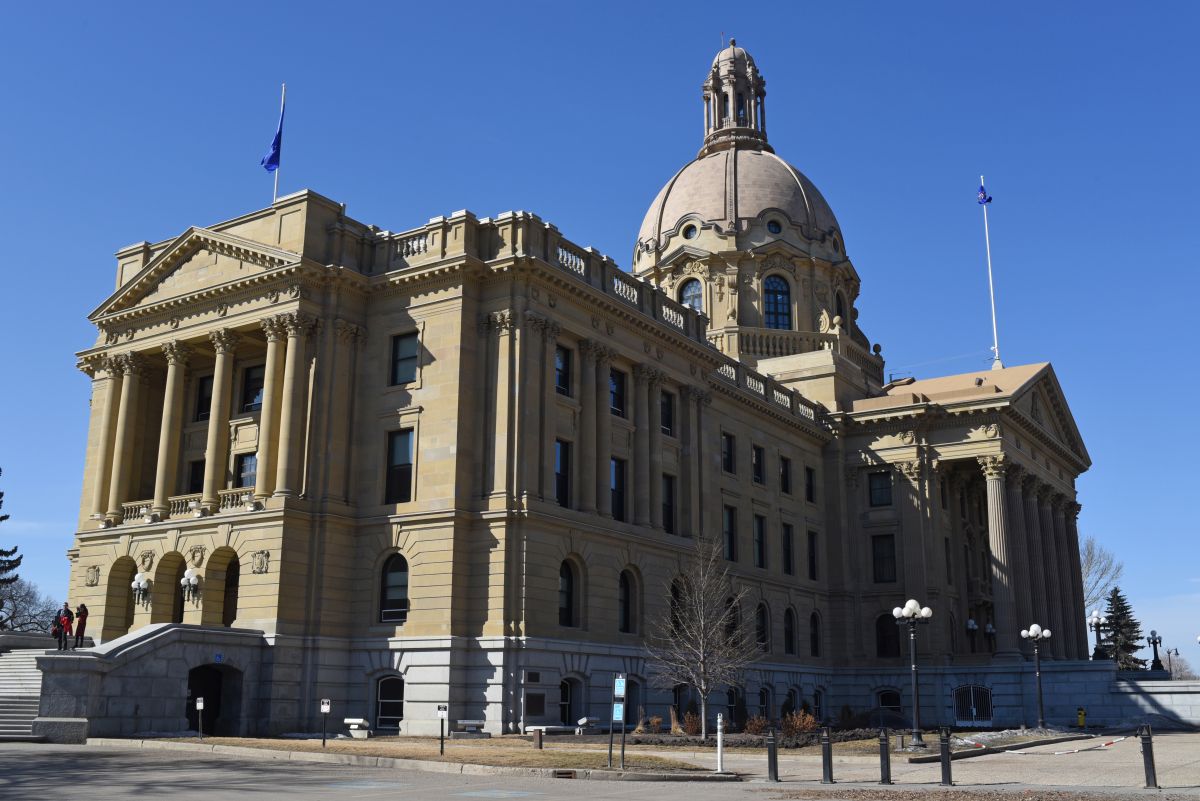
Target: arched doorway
pixel 166 595
pixel 222 577
pixel 570 701
pixel 389 705
pixel 118 603
pixel 221 688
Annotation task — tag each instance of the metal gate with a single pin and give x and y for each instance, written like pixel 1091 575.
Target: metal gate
pixel 972 705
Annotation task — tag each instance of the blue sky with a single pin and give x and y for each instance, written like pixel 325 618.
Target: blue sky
pixel 124 122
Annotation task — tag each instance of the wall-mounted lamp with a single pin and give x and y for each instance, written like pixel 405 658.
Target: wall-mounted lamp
pixel 189 585
pixel 141 589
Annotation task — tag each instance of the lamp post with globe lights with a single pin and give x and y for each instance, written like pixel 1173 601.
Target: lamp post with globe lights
pixel 1155 641
pixel 910 615
pixel 1035 634
pixel 1171 652
pixel 1096 622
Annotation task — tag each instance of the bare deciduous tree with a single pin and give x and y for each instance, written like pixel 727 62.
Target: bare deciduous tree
pixel 1181 669
pixel 1101 572
pixel 701 640
pixel 24 608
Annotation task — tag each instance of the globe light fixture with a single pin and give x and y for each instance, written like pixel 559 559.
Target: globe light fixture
pixel 972 631
pixel 141 589
pixel 189 585
pixel 911 614
pixel 1097 623
pixel 1036 634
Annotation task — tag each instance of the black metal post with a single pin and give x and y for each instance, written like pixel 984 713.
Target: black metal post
pixel 623 738
pixel 1037 672
pixel 324 727
pixel 917 741
pixel 1155 641
pixel 1148 756
pixel 772 757
pixel 826 757
pixel 944 746
pixel 441 736
pixel 885 757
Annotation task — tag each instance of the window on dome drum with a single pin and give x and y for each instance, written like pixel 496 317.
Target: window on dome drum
pixel 689 232
pixel 616 483
pixel 389 710
pixel 625 603
pixel 887 637
pixel 785 475
pixel 728 453
pixel 880 486
pixel 810 485
pixel 398 486
pixel 393 590
pixel 762 628
pixel 789 632
pixel 567 613
pixel 562 371
pixel 245 471
pixel 758 464
pixel 777 303
pixel 883 558
pixel 616 392
pixel 562 472
pixel 729 532
pixel 787 547
pixel 812 555
pixel 774 227
pixel 691 294
pixel 252 388
pixel 204 389
pixel 668 503
pixel 666 413
pixel 814 634
pixel 760 541
pixel 404 359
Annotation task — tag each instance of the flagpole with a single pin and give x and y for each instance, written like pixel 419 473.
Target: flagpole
pixel 996 363
pixel 275 191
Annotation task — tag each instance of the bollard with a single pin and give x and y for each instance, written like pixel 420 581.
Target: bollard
pixel 885 758
pixel 720 743
pixel 537 739
pixel 826 757
pixel 772 757
pixel 1148 756
pixel 944 745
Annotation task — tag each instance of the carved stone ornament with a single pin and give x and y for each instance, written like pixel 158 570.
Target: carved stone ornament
pixel 907 437
pixel 196 555
pixel 146 560
pixel 778 262
pixel 259 560
pixel 823 322
pixel 993 466
pixel 92 577
pixel 991 431
pixel 910 470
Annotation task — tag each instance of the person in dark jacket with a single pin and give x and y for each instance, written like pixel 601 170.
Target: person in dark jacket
pixel 81 614
pixel 65 618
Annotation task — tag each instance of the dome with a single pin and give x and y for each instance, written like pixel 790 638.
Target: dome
pixel 738 56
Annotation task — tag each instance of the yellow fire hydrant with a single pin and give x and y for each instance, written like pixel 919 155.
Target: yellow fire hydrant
pixel 1081 717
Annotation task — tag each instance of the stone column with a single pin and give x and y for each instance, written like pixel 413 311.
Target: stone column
pixel 108 422
pixel 1039 603
pixel 550 410
pixel 1019 554
pixel 1081 633
pixel 654 427
pixel 170 431
pixel 641 445
pixel 268 421
pixel 295 395
pixel 131 366
pixel 604 358
pixel 688 510
pixel 586 445
pixel 216 450
pixel 999 538
pixel 1050 551
pixel 1066 586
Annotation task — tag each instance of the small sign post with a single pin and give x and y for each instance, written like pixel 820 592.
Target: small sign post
pixel 325 707
pixel 443 711
pixel 200 715
pixel 618 715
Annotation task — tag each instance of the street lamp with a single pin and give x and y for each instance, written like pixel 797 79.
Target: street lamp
pixel 910 615
pixel 1171 652
pixel 1097 623
pixel 1035 634
pixel 1155 641
pixel 972 628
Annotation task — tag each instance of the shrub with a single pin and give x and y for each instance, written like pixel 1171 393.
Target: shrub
pixel 757 725
pixel 691 724
pixel 676 728
pixel 654 725
pixel 797 723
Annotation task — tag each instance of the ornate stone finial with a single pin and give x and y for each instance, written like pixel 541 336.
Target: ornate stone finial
pixel 224 340
pixel 993 466
pixel 176 352
pixel 274 329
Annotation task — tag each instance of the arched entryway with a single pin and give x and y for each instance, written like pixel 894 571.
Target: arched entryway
pixel 222 578
pixel 221 688
pixel 166 596
pixel 570 701
pixel 389 705
pixel 118 603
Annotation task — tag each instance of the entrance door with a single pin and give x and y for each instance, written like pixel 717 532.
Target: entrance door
pixel 972 705
pixel 204 682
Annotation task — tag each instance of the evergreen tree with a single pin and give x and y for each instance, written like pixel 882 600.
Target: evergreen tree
pixel 1124 632
pixel 9 561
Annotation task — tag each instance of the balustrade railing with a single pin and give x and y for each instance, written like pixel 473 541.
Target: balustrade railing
pixel 133 510
pixel 235 498
pixel 180 505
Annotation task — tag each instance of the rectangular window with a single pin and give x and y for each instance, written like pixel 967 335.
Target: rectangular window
pixel 562 371
pixel 810 485
pixel 729 530
pixel 728 453
pixel 204 387
pixel 760 541
pixel 562 472
pixel 668 503
pixel 398 488
pixel 252 388
pixel 535 705
pixel 616 482
pixel 666 413
pixel 785 475
pixel 195 482
pixel 245 470
pixel 616 392
pixel 758 464
pixel 404 359
pixel 789 553
pixel 880 485
pixel 883 557
pixel 949 562
pixel 812 555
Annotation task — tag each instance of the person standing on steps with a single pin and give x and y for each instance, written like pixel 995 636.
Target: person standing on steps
pixel 81 614
pixel 65 618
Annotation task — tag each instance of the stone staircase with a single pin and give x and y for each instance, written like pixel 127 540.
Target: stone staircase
pixel 20 693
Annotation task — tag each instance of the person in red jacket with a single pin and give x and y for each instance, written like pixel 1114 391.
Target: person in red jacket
pixel 81 613
pixel 65 618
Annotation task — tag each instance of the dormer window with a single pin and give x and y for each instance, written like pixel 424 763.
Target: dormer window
pixel 774 227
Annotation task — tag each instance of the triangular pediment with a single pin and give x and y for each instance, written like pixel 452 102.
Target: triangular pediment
pixel 1041 400
pixel 199 259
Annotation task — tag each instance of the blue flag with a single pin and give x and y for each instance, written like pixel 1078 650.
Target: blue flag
pixel 984 197
pixel 270 162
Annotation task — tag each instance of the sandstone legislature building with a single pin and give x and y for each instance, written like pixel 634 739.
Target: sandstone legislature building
pixel 460 464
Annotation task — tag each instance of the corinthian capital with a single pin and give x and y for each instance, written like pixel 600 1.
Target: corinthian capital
pixel 298 323
pixel 224 340
pixel 994 466
pixel 274 329
pixel 176 352
pixel 129 364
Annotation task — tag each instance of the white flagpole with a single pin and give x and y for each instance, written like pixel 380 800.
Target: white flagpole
pixel 282 100
pixel 996 363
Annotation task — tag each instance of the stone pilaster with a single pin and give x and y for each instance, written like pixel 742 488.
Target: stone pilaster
pixel 108 433
pixel 549 404
pixel 604 357
pixel 999 538
pixel 641 444
pixel 589 407
pixel 529 402
pixel 690 401
pixel 177 355
pixel 295 396
pixel 654 433
pixel 268 421
pixel 132 365
pixel 216 451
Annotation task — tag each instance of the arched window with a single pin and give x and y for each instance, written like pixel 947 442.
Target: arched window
pixel 567 612
pixel 762 628
pixel 389 706
pixel 887 637
pixel 888 699
pixel 626 603
pixel 764 702
pixel 840 307
pixel 791 702
pixel 691 294
pixel 814 634
pixel 393 590
pixel 229 605
pixel 777 303
pixel 789 632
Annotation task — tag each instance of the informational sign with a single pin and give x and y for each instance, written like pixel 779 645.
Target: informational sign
pixel 200 704
pixel 443 711
pixel 619 712
pixel 619 687
pixel 326 705
pixel 218 658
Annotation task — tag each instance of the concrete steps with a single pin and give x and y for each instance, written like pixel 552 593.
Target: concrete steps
pixel 20 693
